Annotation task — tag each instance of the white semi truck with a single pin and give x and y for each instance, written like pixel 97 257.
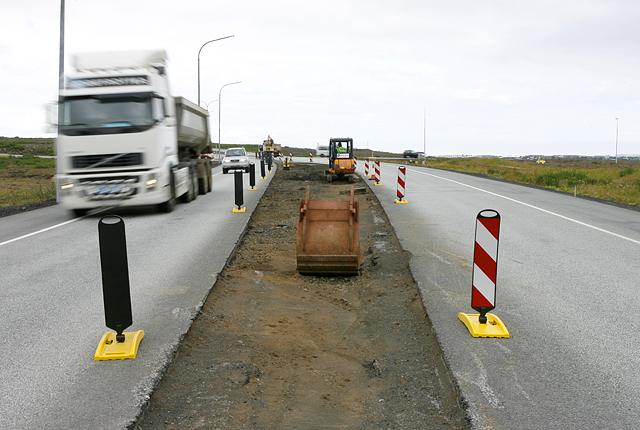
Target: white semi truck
pixel 123 140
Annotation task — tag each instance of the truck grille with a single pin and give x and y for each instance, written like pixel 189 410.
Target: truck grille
pixel 107 160
pixel 119 187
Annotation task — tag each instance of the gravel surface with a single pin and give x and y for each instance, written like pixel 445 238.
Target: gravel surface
pixel 12 210
pixel 272 349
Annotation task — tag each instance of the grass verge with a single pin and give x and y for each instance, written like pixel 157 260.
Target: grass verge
pixel 616 182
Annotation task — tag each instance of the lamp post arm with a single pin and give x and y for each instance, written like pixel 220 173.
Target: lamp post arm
pixel 214 40
pixel 219 108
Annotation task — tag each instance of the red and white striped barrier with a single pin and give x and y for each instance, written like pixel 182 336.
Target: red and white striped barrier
pixel 290 156
pixel 485 270
pixel 402 174
pixel 485 262
pixel 377 173
pixel 311 157
pixel 366 167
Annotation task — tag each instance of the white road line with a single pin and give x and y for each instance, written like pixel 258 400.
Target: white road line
pixel 532 207
pixel 53 227
pixel 39 231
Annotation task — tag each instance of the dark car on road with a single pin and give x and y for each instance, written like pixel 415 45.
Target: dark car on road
pixel 409 154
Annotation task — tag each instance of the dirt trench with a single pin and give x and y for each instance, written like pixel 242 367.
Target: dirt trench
pixel 273 349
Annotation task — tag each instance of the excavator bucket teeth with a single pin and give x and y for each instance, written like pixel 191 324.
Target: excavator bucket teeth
pixel 328 237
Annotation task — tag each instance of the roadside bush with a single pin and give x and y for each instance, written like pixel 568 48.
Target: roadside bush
pixel 572 177
pixel 35 162
pixel 11 147
pixel 627 171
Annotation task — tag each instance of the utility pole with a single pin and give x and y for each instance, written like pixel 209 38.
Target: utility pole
pixel 424 149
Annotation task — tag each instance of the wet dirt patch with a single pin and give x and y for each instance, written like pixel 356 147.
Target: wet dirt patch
pixel 272 349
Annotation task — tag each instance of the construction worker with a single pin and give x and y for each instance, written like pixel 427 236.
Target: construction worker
pixel 340 148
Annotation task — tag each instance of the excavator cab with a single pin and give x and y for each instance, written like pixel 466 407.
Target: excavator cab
pixel 341 161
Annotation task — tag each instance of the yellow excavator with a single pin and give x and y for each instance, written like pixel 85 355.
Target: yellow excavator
pixel 341 161
pixel 270 146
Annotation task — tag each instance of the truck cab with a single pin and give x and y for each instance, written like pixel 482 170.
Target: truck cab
pixel 118 137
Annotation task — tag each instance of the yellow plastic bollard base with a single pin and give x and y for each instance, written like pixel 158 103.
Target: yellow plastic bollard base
pixel 263 179
pixel 240 210
pixel 378 184
pixel 110 349
pixel 493 328
pixel 401 202
pixel 252 189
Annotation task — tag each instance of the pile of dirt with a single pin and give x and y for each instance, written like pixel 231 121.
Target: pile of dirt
pixel 272 349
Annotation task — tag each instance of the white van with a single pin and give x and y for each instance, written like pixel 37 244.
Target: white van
pixel 322 151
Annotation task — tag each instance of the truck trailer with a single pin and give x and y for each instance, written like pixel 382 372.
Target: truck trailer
pixel 124 140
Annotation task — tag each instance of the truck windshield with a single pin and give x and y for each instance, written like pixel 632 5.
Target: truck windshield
pixel 107 114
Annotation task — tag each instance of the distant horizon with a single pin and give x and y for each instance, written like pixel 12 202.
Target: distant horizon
pixel 611 156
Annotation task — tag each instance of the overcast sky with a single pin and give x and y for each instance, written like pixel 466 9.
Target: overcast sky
pixel 501 77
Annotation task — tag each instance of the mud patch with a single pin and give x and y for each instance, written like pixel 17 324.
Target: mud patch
pixel 273 349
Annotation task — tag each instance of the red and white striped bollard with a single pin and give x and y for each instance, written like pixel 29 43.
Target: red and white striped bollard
pixel 485 270
pixel 402 174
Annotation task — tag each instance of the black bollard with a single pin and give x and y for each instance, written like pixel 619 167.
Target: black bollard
pixel 269 161
pixel 115 275
pixel 262 174
pixel 252 177
pixel 239 192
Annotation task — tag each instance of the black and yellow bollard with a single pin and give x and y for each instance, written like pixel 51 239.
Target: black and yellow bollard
pixel 252 177
pixel 262 174
pixel 269 161
pixel 239 195
pixel 116 294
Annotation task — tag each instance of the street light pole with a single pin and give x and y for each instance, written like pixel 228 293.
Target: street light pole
pixel 60 84
pixel 219 106
pixel 616 140
pixel 425 134
pixel 214 40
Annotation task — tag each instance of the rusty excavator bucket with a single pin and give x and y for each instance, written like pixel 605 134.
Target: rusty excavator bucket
pixel 328 237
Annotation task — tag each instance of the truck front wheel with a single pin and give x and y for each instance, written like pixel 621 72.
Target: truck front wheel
pixel 171 203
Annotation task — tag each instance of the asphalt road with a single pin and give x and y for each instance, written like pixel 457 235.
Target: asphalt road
pixel 567 291
pixel 52 307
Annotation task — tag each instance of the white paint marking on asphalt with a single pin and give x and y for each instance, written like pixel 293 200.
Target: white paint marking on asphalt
pixel 53 227
pixel 533 207
pixel 39 231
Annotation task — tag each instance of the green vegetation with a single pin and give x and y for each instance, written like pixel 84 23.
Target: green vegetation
pixel 602 179
pixel 26 179
pixel 23 146
pixel 35 194
pixel 27 161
